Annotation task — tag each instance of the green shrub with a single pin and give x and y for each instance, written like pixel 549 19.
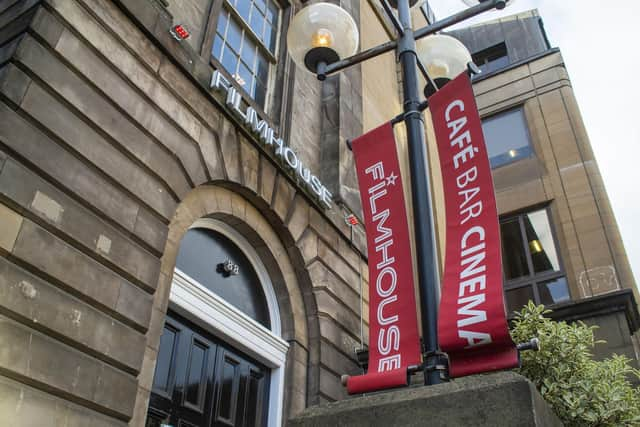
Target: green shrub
pixel 583 392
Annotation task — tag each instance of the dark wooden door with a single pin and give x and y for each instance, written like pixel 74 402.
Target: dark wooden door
pixel 200 381
pixel 240 390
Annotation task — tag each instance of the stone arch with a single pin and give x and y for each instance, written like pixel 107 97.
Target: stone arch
pixel 272 239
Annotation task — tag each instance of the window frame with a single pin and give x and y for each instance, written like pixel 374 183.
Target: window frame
pixel 533 279
pixel 494 115
pixel 276 59
pixel 488 52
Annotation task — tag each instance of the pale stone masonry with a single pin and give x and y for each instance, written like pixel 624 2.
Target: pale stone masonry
pixel 562 174
pixel 110 150
pixel 112 146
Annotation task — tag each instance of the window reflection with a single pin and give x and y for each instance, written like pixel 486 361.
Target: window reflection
pixel 513 257
pixel 245 43
pixel 541 245
pixel 554 291
pixel 507 137
pixel 532 267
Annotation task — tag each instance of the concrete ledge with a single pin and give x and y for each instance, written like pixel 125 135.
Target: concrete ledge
pixel 500 399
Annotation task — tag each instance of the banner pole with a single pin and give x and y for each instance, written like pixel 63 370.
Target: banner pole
pixel 426 257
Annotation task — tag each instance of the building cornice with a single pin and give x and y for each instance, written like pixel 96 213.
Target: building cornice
pixel 517 64
pixel 600 305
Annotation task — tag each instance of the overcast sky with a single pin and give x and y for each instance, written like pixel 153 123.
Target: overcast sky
pixel 599 41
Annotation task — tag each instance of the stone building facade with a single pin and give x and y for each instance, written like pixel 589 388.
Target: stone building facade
pixel 120 165
pixel 526 94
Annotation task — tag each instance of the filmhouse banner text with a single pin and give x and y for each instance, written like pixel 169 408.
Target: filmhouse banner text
pixel 394 343
pixel 472 326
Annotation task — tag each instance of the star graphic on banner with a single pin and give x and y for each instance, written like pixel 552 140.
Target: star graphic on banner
pixel 391 179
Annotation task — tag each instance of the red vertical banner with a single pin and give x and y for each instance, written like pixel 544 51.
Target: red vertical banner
pixel 472 326
pixel 394 343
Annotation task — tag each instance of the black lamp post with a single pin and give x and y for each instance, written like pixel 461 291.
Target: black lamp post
pixel 313 44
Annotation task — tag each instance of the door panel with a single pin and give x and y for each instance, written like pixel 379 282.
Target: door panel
pixel 168 342
pixel 156 418
pixel 256 398
pixel 196 381
pixel 241 393
pixel 227 387
pixel 201 381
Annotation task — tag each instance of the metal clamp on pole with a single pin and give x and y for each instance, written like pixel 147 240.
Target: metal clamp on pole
pixel 532 344
pixel 402 116
pixel 343 379
pixel 440 364
pixel 321 70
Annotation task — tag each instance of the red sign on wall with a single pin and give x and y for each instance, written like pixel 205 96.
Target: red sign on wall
pixel 472 326
pixel 394 343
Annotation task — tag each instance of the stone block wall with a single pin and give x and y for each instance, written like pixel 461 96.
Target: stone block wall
pixel 110 147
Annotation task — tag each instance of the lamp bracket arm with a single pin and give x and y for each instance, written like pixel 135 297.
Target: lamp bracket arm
pixel 426 75
pixel 394 19
pixel 334 67
pixel 418 34
pixel 458 17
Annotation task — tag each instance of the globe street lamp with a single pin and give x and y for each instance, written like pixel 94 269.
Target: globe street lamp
pixel 321 33
pixel 445 57
pixel 323 39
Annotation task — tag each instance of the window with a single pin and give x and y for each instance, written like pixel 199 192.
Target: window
pixel 238 289
pixel 245 43
pixel 530 261
pixel 507 137
pixel 492 58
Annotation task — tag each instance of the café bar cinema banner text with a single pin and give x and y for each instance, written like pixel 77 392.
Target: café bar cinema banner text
pixel 472 326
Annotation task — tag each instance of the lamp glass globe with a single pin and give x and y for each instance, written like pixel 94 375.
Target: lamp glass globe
pixel 321 32
pixel 445 57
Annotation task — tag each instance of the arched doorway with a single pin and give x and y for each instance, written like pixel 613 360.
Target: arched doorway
pixel 221 356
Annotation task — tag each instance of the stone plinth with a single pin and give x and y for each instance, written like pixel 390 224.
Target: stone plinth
pixel 500 399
